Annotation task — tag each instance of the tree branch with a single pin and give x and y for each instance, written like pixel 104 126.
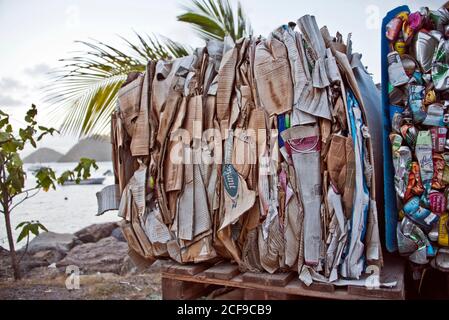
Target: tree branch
pixel 26 197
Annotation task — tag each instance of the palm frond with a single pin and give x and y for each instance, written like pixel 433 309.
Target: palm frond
pixel 84 90
pixel 214 19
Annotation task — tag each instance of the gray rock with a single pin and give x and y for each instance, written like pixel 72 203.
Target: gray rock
pixel 5 264
pixel 106 255
pixel 118 234
pixel 29 261
pixel 43 273
pixel 61 242
pixel 96 232
pixel 40 259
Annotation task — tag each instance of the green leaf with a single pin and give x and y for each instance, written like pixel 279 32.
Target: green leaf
pixel 34 228
pixel 84 91
pixel 41 226
pixel 46 179
pixel 84 167
pixel 4 122
pixel 24 233
pixel 20 225
pixel 4 136
pixel 29 227
pixel 214 19
pixel 65 176
pixel 31 114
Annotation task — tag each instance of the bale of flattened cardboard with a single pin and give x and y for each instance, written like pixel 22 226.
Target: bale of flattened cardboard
pixel 264 152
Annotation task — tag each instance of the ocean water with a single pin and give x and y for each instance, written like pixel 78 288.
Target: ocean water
pixel 64 210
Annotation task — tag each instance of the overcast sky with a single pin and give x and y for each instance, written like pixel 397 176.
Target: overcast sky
pixel 35 34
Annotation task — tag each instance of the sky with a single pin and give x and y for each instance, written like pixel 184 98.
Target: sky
pixel 35 34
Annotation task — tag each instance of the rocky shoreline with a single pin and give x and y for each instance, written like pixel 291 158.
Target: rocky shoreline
pixel 98 253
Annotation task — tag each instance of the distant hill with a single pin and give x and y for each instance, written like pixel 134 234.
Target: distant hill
pixel 97 148
pixel 43 155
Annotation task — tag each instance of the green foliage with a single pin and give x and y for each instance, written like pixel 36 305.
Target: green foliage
pixel 46 179
pixel 214 19
pixel 84 91
pixel 28 228
pixel 12 174
pixel 81 172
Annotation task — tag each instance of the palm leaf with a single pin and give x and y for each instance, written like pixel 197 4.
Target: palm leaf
pixel 214 19
pixel 83 92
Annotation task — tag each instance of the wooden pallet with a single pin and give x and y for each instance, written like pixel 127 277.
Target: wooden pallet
pixel 187 282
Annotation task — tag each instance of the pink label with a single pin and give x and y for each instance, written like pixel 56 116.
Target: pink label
pixel 437 202
pixel 438 138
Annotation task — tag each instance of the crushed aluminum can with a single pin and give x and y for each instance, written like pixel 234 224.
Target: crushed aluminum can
pixel 438 138
pixel 424 48
pixel 437 202
pixel 438 172
pixel 416 21
pixel 446 146
pixel 407 115
pixel 418 78
pixel 409 64
pixel 401 47
pixel 427 78
pixel 430 97
pixel 423 217
pixel 415 186
pixel 435 115
pixel 406 244
pixel 441 261
pixel 393 28
pixel 409 133
pixel 443 235
pixel 407 31
pixel 397 95
pixel 396 122
pixel 423 151
pixel 433 234
pixel 396 72
pixel 415 100
pixel 440 66
pixel 446 168
pixel 412 242
pixel 440 18
pixel 431 251
pixel 419 256
pixel 446 31
pixel 437 35
pixel 402 163
pixel 396 142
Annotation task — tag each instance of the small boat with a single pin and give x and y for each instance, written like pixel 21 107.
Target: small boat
pixel 85 182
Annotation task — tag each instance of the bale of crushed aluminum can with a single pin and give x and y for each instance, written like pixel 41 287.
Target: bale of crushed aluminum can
pixel 415 97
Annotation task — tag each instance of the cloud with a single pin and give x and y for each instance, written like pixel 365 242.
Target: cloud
pixel 38 70
pixel 8 101
pixel 11 84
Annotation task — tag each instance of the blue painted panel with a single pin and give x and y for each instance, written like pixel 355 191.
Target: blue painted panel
pixel 391 210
